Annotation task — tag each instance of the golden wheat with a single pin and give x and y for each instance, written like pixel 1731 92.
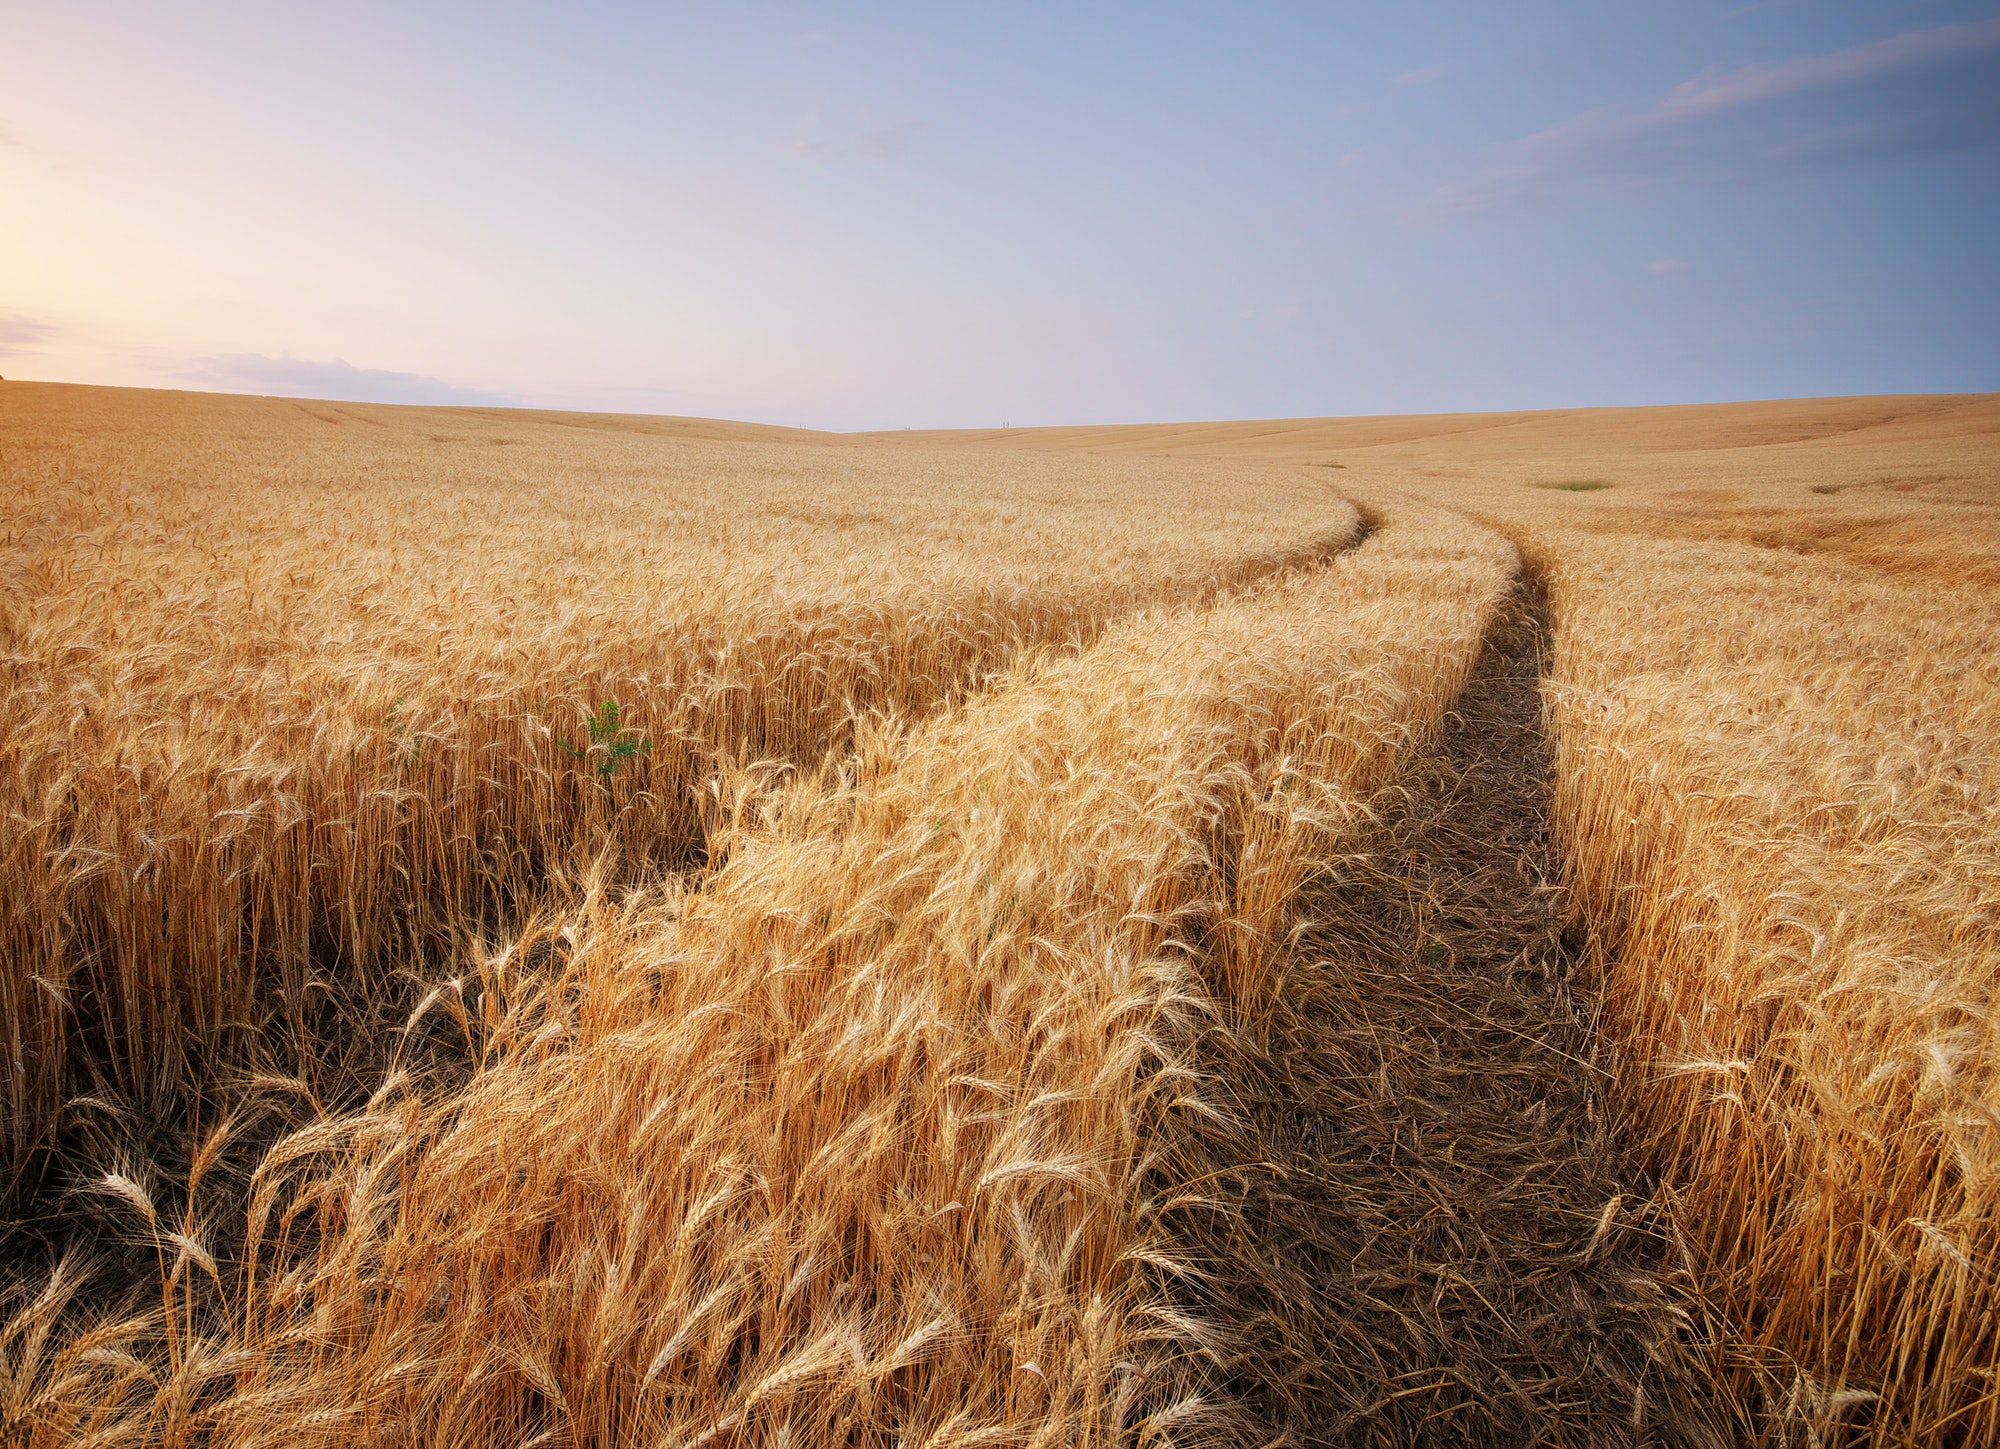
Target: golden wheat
pixel 1778 807
pixel 1788 830
pixel 864 1142
pixel 1003 772
pixel 1776 696
pixel 291 704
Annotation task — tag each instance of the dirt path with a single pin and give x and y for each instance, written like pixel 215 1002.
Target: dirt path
pixel 1441 1244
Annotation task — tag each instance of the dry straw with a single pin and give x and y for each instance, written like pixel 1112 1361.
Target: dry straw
pixel 867 1141
pixel 999 777
pixel 294 696
pixel 1779 801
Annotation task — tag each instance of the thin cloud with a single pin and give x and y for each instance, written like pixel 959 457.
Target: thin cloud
pixel 1918 49
pixel 338 380
pixel 1920 92
pixel 1666 268
pixel 22 335
pixel 1421 77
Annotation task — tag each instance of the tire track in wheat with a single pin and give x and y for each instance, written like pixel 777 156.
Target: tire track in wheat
pixel 1431 1235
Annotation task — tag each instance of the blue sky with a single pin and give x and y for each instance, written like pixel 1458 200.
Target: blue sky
pixel 963 215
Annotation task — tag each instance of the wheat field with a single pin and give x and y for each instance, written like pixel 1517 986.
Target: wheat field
pixel 283 714
pixel 558 928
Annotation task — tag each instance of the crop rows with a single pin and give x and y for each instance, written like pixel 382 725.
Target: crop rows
pixel 528 929
pixel 866 1141
pixel 280 726
pixel 1784 829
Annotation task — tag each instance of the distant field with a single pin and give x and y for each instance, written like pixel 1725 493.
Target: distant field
pixel 534 927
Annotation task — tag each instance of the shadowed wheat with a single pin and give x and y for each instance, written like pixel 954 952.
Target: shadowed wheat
pixel 863 1142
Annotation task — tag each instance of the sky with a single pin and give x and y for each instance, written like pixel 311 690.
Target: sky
pixel 968 215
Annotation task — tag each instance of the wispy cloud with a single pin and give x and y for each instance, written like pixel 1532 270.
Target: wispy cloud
pixel 1666 268
pixel 22 335
pixel 1421 77
pixel 289 376
pixel 1923 91
pixel 885 142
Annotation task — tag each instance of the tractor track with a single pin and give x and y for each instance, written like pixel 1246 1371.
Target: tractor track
pixel 1433 1237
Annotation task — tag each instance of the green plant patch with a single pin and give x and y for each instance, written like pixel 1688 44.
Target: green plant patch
pixel 608 745
pixel 1576 485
